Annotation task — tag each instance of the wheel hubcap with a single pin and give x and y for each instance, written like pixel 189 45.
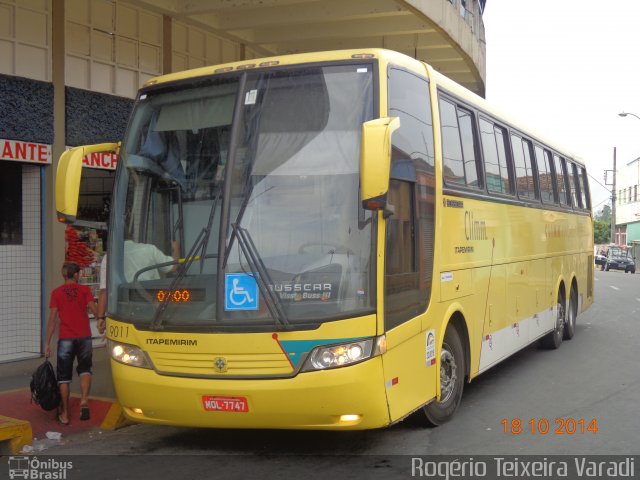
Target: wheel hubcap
pixel 448 374
pixel 560 320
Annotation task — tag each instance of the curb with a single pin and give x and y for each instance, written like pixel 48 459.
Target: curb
pixel 16 432
pixel 115 418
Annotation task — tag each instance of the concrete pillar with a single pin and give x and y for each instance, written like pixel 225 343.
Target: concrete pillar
pixel 54 230
pixel 167 44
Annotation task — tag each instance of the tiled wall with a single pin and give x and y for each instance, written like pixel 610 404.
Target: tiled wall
pixel 112 47
pixel 20 277
pixel 25 38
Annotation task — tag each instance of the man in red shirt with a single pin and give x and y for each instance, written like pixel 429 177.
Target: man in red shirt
pixel 68 307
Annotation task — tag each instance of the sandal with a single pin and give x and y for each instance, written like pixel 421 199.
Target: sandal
pixel 85 413
pixel 61 422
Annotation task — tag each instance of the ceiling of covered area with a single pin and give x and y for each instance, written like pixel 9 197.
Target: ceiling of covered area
pixel 276 27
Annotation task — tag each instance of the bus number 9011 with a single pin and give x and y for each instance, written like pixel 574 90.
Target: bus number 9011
pixel 118 331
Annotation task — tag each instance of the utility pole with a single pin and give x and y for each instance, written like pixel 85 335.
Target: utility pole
pixel 613 195
pixel 613 200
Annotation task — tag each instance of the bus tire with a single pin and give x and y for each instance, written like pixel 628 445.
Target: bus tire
pixel 572 315
pixel 553 339
pixel 452 376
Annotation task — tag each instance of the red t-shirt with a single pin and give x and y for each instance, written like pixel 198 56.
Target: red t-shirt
pixel 71 300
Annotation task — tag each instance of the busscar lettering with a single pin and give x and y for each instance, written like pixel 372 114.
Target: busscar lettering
pixel 454 203
pixel 559 231
pixel 300 287
pixel 464 249
pixel 302 291
pixel 172 342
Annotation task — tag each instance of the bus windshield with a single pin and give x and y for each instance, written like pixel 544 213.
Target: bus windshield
pixel 236 204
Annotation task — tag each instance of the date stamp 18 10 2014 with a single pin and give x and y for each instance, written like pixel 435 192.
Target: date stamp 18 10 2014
pixel 545 426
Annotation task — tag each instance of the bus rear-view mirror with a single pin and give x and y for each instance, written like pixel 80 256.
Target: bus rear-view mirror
pixel 68 176
pixel 375 161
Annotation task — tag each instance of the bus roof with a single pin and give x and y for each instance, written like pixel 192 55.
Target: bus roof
pixel 293 59
pixel 365 53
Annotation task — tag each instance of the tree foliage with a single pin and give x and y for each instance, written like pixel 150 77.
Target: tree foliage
pixel 601 232
pixel 604 214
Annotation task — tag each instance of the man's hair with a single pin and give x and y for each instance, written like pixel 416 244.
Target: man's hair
pixel 69 269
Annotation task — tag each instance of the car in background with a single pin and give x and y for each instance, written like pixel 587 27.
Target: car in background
pixel 620 259
pixel 601 260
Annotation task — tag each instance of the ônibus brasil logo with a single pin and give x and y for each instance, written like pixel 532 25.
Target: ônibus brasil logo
pixel 34 468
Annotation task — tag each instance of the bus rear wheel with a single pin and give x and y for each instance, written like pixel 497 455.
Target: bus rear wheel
pixel 554 338
pixel 572 315
pixel 452 374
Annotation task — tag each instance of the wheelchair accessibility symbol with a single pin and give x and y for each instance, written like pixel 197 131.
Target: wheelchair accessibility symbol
pixel 241 292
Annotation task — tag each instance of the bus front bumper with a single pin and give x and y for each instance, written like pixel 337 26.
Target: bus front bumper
pixel 348 398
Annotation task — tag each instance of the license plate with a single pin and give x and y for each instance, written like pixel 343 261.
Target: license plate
pixel 219 403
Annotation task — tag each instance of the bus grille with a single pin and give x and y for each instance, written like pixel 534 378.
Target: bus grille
pixel 237 364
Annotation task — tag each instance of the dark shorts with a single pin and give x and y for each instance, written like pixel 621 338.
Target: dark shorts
pixel 68 350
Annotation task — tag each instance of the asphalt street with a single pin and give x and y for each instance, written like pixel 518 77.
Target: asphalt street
pixel 587 392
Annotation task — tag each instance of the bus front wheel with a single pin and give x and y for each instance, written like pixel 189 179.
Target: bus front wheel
pixel 452 374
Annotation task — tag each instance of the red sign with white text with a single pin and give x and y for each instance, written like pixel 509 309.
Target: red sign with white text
pixel 40 153
pixel 30 152
pixel 104 161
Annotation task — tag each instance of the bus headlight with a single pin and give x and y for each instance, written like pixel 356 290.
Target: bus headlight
pixel 341 355
pixel 128 355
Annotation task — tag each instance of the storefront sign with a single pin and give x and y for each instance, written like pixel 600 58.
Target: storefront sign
pixel 30 152
pixel 102 160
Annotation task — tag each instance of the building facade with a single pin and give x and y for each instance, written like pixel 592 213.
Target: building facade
pixel 70 69
pixel 628 204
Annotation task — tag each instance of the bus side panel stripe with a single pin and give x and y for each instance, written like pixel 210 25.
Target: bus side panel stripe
pixel 502 343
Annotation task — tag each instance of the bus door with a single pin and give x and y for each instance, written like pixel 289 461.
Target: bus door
pixel 410 379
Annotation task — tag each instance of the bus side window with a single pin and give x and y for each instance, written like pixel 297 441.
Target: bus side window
pixel 409 100
pixel 525 183
pixel 586 199
pixel 459 146
pixel 561 182
pixel 576 198
pixel 495 158
pixel 545 176
pixel 402 293
pixel 410 230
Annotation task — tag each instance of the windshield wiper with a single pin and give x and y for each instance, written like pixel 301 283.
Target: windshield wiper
pixel 260 274
pixel 256 265
pixel 207 234
pixel 200 243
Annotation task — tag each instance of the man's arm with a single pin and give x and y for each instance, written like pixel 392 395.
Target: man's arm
pixel 161 257
pixel 52 324
pixel 175 253
pixel 93 307
pixel 175 249
pixel 102 310
pixel 102 297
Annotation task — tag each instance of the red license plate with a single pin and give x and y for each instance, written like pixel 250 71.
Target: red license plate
pixel 217 403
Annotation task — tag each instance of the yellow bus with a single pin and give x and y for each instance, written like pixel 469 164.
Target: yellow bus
pixel 354 238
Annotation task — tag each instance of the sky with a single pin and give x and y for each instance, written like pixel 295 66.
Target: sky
pixel 566 68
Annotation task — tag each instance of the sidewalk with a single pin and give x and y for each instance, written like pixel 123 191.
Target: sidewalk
pixel 15 402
